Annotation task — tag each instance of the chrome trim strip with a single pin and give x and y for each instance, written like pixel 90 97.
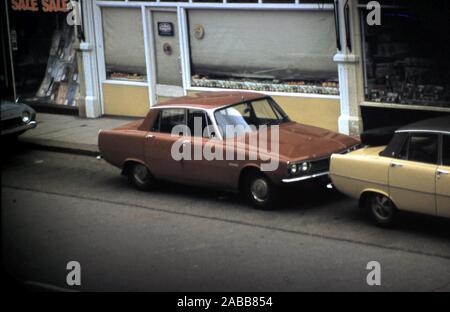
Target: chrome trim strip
pixel 306 177
pixel 423 131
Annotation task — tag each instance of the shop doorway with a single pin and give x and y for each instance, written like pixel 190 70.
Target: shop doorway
pixel 166 36
pixel 38 56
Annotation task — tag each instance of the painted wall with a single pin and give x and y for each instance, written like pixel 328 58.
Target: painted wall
pixel 122 100
pixel 317 112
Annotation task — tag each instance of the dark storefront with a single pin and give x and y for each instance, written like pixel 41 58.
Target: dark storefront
pixel 43 69
pixel 406 62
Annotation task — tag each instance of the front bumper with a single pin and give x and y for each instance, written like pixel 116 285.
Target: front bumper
pixel 18 129
pixel 308 177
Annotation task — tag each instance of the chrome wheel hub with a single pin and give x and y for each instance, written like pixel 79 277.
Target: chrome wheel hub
pixel 140 173
pixel 259 190
pixel 382 207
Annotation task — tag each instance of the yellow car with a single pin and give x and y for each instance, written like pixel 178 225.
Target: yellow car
pixel 411 174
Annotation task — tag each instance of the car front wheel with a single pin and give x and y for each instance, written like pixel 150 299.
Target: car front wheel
pixel 260 192
pixel 382 210
pixel 141 177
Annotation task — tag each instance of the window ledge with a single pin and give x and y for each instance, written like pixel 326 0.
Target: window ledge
pixel 302 95
pixel 405 106
pixel 126 83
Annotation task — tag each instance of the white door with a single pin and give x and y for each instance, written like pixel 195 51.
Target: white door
pixel 166 36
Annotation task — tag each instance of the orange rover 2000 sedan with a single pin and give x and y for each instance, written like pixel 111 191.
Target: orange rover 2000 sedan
pixel 234 141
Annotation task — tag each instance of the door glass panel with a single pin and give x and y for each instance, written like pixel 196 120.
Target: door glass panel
pixel 200 117
pixel 446 150
pixel 170 118
pixel 423 148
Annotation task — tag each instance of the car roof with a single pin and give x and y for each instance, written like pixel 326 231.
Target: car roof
pixel 439 124
pixel 211 100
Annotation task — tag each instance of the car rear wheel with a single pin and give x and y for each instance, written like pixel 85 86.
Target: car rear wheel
pixel 260 192
pixel 382 210
pixel 141 177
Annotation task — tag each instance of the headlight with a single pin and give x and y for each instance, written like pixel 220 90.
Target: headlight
pixel 26 117
pixel 293 169
pixel 304 167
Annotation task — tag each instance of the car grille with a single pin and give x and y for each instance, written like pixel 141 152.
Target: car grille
pixel 321 165
pixel 11 123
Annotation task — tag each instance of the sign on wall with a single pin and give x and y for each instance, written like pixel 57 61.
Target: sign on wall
pixel 166 29
pixel 47 6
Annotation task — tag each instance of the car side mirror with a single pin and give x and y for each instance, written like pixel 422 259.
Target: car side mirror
pixel 17 100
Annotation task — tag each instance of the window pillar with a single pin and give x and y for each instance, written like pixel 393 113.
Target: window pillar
pixel 350 71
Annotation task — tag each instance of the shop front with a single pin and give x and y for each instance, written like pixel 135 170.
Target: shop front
pixel 149 51
pixel 405 62
pixel 39 54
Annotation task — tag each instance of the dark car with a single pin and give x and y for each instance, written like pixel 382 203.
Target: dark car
pixel 16 118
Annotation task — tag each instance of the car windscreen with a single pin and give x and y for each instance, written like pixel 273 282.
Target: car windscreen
pixel 241 118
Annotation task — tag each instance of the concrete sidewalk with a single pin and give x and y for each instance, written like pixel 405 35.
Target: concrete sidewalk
pixel 69 133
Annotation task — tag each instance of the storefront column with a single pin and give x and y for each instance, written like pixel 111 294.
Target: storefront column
pixel 88 67
pixel 350 72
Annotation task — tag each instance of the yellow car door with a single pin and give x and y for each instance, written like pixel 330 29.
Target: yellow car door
pixel 412 179
pixel 443 180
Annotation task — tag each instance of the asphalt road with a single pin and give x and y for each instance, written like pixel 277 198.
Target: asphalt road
pixel 58 208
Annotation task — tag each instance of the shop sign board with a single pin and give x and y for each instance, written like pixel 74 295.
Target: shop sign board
pixel 46 6
pixel 166 29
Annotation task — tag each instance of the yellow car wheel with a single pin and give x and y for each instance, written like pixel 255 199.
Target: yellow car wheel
pixel 382 210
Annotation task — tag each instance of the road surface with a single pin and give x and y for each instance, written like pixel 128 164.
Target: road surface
pixel 58 208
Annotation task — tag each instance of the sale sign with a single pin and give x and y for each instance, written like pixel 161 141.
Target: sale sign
pixel 47 6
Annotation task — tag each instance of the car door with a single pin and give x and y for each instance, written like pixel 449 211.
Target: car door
pixel 412 177
pixel 203 169
pixel 443 180
pixel 159 143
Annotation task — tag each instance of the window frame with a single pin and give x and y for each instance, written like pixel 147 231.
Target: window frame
pixel 158 119
pixel 407 143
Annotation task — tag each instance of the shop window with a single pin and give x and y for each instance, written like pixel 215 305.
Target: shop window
pixel 124 44
pixel 276 51
pixel 407 56
pixel 45 58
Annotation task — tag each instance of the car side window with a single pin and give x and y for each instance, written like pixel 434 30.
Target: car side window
pixel 397 146
pixel 169 118
pixel 446 150
pixel 423 147
pixel 198 121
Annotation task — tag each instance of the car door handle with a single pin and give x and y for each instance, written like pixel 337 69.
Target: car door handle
pixel 150 136
pixel 441 172
pixel 396 165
